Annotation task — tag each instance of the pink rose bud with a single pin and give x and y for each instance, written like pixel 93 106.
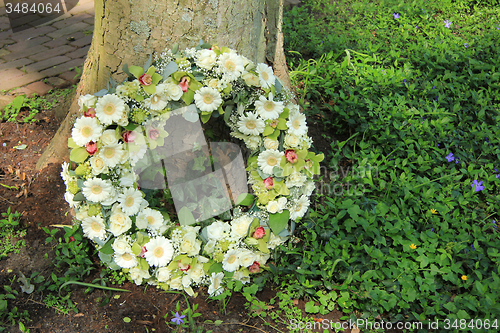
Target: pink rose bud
pixel 89 113
pixel 255 268
pixel 291 156
pixel 91 147
pixel 129 136
pixel 153 134
pixel 259 233
pixel 268 182
pixel 143 252
pixel 145 79
pixel 184 84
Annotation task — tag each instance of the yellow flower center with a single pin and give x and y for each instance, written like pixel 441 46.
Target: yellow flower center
pixel 271 160
pixel 265 76
pixel 269 106
pixel 86 131
pixel 251 124
pixel 129 202
pixel 208 99
pixel 158 252
pixel 296 124
pixel 126 257
pixel 150 219
pixel 231 259
pixel 155 99
pixel 96 189
pixel 95 226
pixel 230 66
pixel 109 109
pixel 109 152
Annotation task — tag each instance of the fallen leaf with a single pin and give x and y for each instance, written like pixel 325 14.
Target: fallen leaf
pixel 20 147
pixel 79 315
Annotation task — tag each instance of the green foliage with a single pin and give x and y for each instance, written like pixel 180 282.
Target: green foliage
pixel 401 229
pixel 9 314
pixel 10 235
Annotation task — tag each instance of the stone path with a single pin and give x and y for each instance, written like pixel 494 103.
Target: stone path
pixel 36 60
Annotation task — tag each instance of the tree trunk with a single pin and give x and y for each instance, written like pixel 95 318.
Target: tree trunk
pixel 128 31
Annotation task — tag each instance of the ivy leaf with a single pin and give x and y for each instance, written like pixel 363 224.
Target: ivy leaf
pixel 186 217
pixel 245 199
pixel 78 155
pixel 279 221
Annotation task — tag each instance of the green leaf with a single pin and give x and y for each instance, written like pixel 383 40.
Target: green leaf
pixel 78 155
pixel 311 308
pixel 169 69
pixel 106 248
pixel 151 89
pixel 268 130
pixel 127 319
pixel 186 217
pixel 188 97
pixel 245 199
pixel 71 143
pixel 136 71
pixel 282 124
pixel 279 221
pixel 205 116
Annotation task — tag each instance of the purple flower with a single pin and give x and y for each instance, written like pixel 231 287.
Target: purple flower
pixel 473 249
pixel 404 81
pixel 465 45
pixel 477 186
pixel 450 157
pixel 495 225
pixel 178 319
pixel 432 229
pixel 456 161
pixel 437 98
pixel 396 15
pixel 447 24
pixel 438 145
pixel 416 27
pixel 433 87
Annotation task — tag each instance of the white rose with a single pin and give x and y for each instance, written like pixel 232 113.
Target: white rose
pixel 247 258
pixel 282 202
pixel 210 246
pixel 120 246
pixel 273 207
pixel 262 258
pixel 239 226
pixel 138 274
pixel 98 165
pixel 251 79
pixel 119 223
pixel 108 137
pixel 173 91
pixel 213 83
pixel 218 230
pixel 176 283
pixel 189 244
pixel 271 144
pixel 163 274
pixel 113 196
pixel 196 273
pixel 87 100
pixel 206 59
pixel 295 179
pixel 292 140
pixel 274 241
pixel 81 214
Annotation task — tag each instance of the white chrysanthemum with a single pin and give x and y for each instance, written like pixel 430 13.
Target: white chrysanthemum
pixel 247 258
pixel 130 201
pixel 253 142
pixel 266 76
pixel 96 189
pixel 292 140
pixel 309 187
pixel 163 274
pixel 239 226
pixel 158 101
pixel 206 59
pixel 267 108
pixel 121 245
pixel 159 252
pixel 93 227
pixel 98 165
pixel 190 245
pixel 231 261
pixel 231 65
pixel 297 179
pixel 218 230
pixel 87 100
pixel 126 260
pixel 110 108
pixel 251 124
pixel 137 275
pixel 300 207
pixel 86 129
pixel 173 91
pixel 149 218
pixel 215 287
pixel 65 172
pixel 119 222
pixel 297 124
pixel 207 99
pixel 271 144
pixel 112 154
pixel 268 159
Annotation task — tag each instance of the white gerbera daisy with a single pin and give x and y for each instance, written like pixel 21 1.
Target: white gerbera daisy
pixel 86 129
pixel 130 201
pixel 300 207
pixel 231 261
pixel 207 99
pixel 159 251
pixel 126 260
pixel 215 287
pixel 149 218
pixel 267 108
pixel 266 76
pixel 268 159
pixel 112 154
pixel 110 108
pixel 231 66
pixel 158 101
pixel 251 124
pixel 93 227
pixel 297 124
pixel 96 189
pixel 65 172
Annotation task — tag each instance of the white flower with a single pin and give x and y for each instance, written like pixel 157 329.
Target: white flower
pixel 297 179
pixel 128 179
pixel 292 140
pixel 112 154
pixel 87 100
pixel 159 251
pixel 207 99
pixel 69 199
pixel 158 101
pixel 176 283
pixel 251 124
pixel 97 189
pixel 273 207
pixel 113 196
pixel 231 261
pixel 163 274
pixel 126 259
pixel 110 108
pixel 266 76
pixel 239 226
pixel 209 248
pixel 297 124
pixel 215 284
pixel 65 172
pixel 247 258
pixel 138 274
pixel 81 213
pixel 86 129
pixel 309 187
pixel 93 227
pixel 121 245
pixel 274 241
pixel 98 165
pixel 149 218
pixel 118 221
pixel 206 59
pixel 231 65
pixel 109 137
pixel 173 91
pixel 130 201
pixel 271 144
pixel 190 245
pixel 196 273
pixel 300 207
pixel 253 142
pixel 136 152
pixel 268 108
pixel 250 79
pixel 242 275
pixel 218 230
pixel 268 159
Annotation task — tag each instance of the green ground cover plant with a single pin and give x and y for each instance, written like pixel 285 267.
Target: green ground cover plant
pixel 405 225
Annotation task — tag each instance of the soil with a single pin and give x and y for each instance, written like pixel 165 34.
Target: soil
pixel 38 196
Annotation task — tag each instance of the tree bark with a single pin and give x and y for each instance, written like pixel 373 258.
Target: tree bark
pixel 128 31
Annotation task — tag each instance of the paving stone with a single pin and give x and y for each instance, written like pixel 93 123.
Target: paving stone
pixel 65 39
pixel 4 52
pixel 24 53
pixel 19 81
pixel 6 42
pixel 40 88
pixel 62 67
pixel 6 34
pixel 58 82
pixel 23 91
pixel 52 53
pixel 5 100
pixel 90 20
pixel 70 77
pixel 11 73
pixel 82 41
pixel 20 46
pixel 73 28
pixel 81 52
pixel 47 63
pixel 72 20
pixel 31 33
pixel 41 22
pixel 19 63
